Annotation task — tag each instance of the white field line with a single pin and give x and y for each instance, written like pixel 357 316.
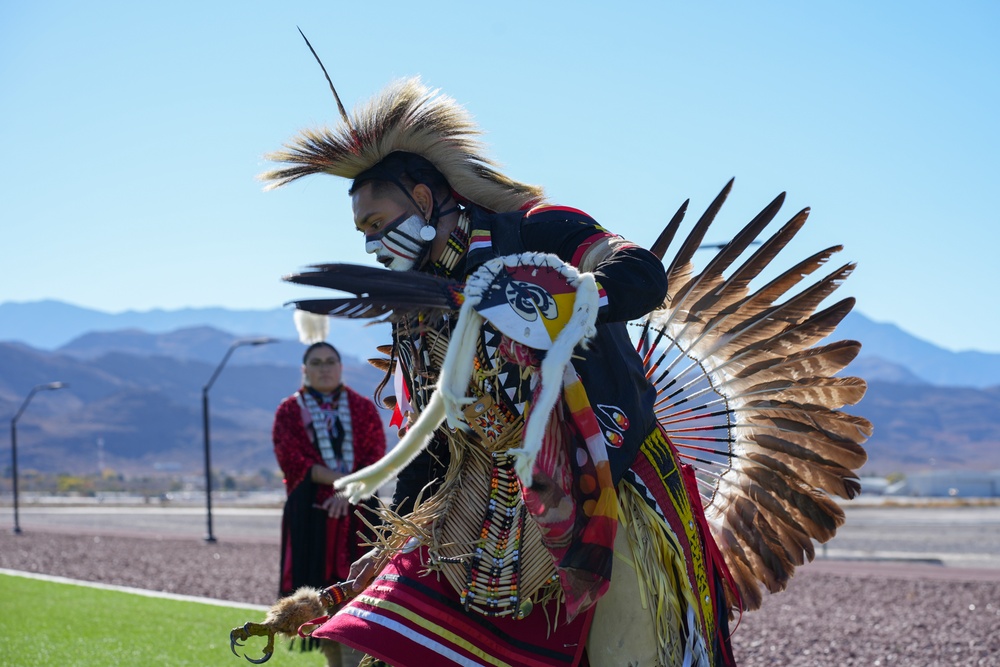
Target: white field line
pixel 134 591
pixel 981 559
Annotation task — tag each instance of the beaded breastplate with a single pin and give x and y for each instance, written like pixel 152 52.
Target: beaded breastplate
pixel 480 537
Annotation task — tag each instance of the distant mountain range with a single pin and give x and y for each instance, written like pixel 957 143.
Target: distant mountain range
pixel 50 325
pixel 134 395
pixel 140 412
pixel 888 352
pixel 925 361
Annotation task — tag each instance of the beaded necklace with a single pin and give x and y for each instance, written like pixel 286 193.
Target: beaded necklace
pixel 422 345
pixel 458 243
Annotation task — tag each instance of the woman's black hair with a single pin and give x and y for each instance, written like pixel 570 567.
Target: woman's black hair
pixel 314 346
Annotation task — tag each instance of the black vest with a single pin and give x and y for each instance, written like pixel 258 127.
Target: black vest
pixel 611 370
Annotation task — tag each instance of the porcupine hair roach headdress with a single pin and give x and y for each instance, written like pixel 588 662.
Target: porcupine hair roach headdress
pixel 406 117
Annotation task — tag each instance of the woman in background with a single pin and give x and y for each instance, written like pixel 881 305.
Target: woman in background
pixel 321 433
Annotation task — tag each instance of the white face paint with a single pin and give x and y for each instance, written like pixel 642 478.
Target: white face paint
pixel 401 242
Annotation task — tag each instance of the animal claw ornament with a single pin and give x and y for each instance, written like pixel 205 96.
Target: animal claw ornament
pixel 248 630
pixel 297 614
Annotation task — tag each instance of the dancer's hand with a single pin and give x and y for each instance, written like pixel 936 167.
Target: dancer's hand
pixel 363 570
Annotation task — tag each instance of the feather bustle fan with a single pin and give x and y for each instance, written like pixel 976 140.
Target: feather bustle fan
pixel 751 399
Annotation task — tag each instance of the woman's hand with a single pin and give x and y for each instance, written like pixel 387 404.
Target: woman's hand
pixel 336 506
pixel 323 475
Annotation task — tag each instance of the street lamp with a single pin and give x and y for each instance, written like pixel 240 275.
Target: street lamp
pixel 13 439
pixel 210 537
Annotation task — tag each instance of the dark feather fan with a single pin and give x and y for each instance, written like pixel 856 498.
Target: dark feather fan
pixel 378 293
pixel 752 401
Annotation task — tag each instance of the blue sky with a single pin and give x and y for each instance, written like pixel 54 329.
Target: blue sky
pixel 132 134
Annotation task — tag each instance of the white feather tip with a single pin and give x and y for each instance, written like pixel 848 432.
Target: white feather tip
pixel 312 328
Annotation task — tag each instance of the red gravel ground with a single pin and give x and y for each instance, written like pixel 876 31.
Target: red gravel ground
pixel 834 613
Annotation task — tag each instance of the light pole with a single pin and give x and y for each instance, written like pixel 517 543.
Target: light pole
pixel 13 439
pixel 210 537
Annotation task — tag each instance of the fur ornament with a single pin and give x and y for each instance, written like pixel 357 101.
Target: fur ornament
pixel 312 328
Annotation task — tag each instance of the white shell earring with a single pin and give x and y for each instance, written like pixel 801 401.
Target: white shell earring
pixel 427 233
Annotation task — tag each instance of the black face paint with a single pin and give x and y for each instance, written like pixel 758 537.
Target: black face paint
pixel 390 227
pixel 398 245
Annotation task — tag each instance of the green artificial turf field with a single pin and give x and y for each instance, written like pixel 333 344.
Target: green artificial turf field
pixel 43 623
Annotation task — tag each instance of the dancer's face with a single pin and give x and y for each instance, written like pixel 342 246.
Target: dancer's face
pixel 391 226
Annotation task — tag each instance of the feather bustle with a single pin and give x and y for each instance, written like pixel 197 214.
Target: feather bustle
pixel 726 297
pixel 832 422
pixel 739 566
pixel 798 544
pixel 679 270
pixel 767 295
pixel 831 392
pixel 710 278
pixel 826 446
pixel 760 353
pixel 663 241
